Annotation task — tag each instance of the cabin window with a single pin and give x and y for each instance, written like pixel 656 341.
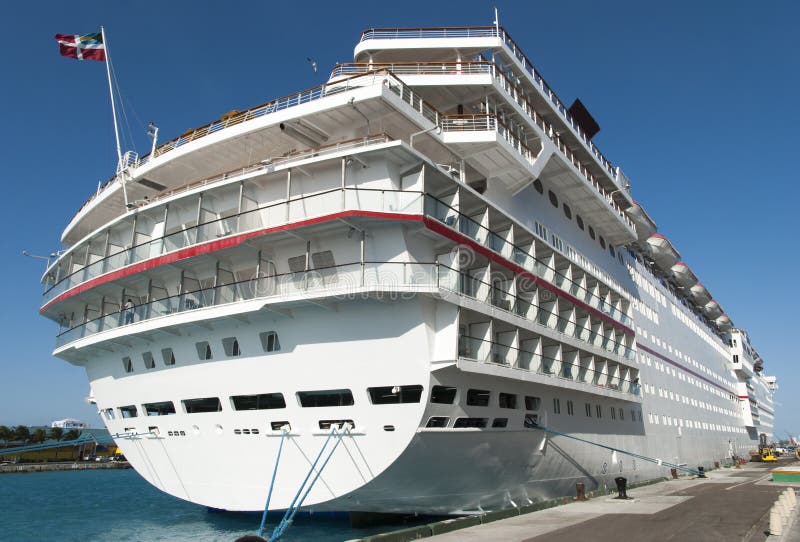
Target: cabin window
pixel 591 232
pixel 128 411
pixel 263 401
pixel 507 400
pixel 437 421
pixel 599 411
pixel 149 362
pixel 444 395
pixel 164 408
pixel 231 346
pixel 326 424
pixel 197 406
pixel 478 397
pixel 556 405
pixel 612 251
pixel 127 364
pixel 500 422
pixel 390 395
pixel 567 211
pixel 531 420
pixel 204 350
pixel 570 408
pixel 532 403
pixel 579 220
pixel 168 356
pixel 325 398
pixel 588 409
pixel 621 414
pixel 602 242
pixel 269 341
pixel 537 184
pixel 553 198
pixel 278 426
pixel 461 423
pixel 613 413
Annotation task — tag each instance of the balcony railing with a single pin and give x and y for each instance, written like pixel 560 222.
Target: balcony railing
pixel 427 33
pixel 487 122
pixel 467 226
pixel 527 65
pixel 398 280
pixel 275 214
pixel 522 305
pixel 341 280
pixel 483 351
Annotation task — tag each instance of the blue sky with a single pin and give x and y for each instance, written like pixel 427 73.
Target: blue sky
pixel 696 100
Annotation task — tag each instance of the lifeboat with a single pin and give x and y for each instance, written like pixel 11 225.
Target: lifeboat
pixel 700 294
pixel 723 322
pixel 712 309
pixel 645 227
pixel 662 252
pixel 683 275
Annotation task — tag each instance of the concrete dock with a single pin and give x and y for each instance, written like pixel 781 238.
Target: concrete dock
pixel 728 505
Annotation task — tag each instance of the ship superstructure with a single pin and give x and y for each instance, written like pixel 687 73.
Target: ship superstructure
pixel 428 253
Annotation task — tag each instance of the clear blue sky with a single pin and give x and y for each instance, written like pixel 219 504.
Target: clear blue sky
pixel 696 100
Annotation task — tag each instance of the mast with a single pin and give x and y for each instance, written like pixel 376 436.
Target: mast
pixel 114 115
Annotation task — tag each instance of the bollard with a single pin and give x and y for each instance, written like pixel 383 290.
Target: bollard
pixel 622 485
pixel 716 464
pixel 783 512
pixel 701 471
pixel 674 473
pixel 775 522
pixel 580 490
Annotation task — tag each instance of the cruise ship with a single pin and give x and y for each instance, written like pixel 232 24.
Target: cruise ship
pixel 419 287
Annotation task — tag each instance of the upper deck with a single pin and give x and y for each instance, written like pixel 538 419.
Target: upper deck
pixel 393 45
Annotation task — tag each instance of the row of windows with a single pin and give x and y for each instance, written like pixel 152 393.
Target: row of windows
pixel 447 395
pixel 598 410
pixel 230 345
pixel 537 184
pixel 383 395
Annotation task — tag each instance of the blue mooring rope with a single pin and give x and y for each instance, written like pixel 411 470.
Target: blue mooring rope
pixel 271 484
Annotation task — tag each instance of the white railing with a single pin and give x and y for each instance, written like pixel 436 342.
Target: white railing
pixel 516 52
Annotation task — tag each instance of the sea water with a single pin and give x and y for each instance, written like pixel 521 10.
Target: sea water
pixel 118 505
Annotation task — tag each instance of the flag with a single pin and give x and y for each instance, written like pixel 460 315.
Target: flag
pixel 87 47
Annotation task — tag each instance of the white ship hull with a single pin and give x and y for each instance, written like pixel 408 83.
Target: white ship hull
pixel 445 334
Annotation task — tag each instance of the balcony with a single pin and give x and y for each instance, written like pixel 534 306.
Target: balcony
pixel 465 225
pixel 265 217
pixel 477 40
pixel 611 378
pixel 351 281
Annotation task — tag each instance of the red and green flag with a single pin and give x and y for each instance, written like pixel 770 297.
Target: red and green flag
pixel 86 47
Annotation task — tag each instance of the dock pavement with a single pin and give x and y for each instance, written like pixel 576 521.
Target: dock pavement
pixel 728 505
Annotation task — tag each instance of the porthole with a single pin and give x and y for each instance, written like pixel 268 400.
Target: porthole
pixel 537 184
pixel 579 220
pixel 567 211
pixel 553 198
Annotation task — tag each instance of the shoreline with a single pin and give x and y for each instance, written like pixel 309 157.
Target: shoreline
pixel 24 468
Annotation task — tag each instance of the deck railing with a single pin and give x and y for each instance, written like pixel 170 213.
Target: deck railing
pixel 490 352
pixel 513 92
pixel 516 52
pixel 484 236
pixel 397 280
pixel 265 216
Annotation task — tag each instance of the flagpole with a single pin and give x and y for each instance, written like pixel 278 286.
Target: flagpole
pixel 114 114
pixel 111 93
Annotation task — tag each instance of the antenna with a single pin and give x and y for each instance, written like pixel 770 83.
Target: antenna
pixel 496 21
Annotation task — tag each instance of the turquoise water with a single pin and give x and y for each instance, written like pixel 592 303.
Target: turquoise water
pixel 118 505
